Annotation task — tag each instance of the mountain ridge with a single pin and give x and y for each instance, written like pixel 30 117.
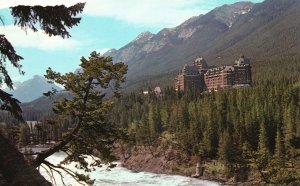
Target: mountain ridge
pixel 221 35
pixel 32 89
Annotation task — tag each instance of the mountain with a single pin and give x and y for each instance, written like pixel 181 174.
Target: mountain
pixel 32 89
pixel 43 103
pixel 271 29
pixel 265 30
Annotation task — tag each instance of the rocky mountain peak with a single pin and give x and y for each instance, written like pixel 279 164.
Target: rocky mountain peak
pixel 143 37
pixel 218 35
pixel 190 21
pixel 32 88
pixel 110 52
pixel 228 14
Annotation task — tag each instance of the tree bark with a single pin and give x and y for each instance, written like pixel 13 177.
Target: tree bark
pixel 15 169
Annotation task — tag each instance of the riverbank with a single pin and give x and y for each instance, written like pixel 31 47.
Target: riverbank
pixel 169 160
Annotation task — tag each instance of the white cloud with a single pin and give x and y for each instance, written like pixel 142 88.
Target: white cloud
pixel 166 13
pixel 144 12
pixel 39 40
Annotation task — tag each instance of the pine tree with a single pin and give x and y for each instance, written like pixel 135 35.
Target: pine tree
pixel 210 140
pixel 151 122
pixel 263 145
pixel 53 20
pixel 263 155
pixel 226 148
pixel 87 110
pixel 279 147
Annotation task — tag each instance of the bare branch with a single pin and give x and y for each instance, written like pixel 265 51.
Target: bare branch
pixel 69 171
pixel 50 173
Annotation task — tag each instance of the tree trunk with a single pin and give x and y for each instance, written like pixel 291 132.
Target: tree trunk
pixel 15 169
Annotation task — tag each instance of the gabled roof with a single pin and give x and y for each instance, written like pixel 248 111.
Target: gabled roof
pixel 190 70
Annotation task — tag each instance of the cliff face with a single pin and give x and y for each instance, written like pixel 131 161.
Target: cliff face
pixel 168 159
pixel 161 159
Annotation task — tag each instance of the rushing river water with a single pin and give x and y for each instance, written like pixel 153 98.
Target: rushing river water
pixel 120 176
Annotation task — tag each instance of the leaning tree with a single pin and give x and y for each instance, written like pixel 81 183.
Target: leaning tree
pixel 53 20
pixel 87 110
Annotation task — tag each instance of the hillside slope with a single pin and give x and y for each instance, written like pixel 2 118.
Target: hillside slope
pixel 32 89
pixel 261 31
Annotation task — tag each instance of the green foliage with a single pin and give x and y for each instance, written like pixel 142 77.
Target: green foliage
pixel 53 20
pixel 255 127
pixel 279 147
pixel 86 111
pixel 226 148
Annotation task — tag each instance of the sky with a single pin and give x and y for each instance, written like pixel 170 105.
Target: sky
pixel 105 24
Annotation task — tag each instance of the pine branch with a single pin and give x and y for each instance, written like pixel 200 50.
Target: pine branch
pixel 54 20
pixel 45 154
pixel 7 51
pixel 10 104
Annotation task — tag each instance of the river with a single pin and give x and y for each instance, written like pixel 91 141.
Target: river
pixel 120 176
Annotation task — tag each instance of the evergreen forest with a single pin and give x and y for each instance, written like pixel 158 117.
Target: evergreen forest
pixel 255 128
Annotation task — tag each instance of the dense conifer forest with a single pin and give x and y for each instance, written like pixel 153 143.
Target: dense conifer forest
pixel 255 128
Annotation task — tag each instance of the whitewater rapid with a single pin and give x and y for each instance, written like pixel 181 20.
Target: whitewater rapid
pixel 120 176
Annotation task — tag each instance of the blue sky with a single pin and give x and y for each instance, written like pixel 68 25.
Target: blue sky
pixel 105 24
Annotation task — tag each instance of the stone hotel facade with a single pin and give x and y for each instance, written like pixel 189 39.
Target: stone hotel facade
pixel 201 77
